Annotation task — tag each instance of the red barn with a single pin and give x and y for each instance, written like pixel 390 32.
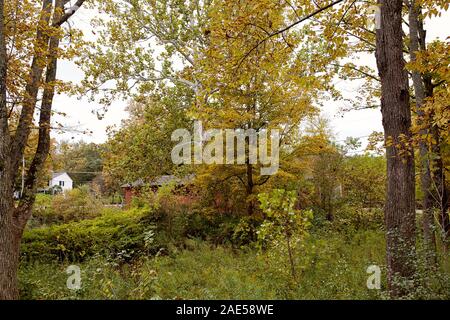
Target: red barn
pixel 183 189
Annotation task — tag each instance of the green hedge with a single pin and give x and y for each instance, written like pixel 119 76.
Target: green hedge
pixel 115 234
pixel 123 235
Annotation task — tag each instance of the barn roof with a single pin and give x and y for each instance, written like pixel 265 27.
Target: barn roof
pixel 137 183
pixel 160 180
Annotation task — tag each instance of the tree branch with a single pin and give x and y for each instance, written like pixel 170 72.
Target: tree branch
pixel 31 90
pixel 43 146
pixel 275 33
pixel 71 11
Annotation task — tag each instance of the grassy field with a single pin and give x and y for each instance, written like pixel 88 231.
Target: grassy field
pixel 329 266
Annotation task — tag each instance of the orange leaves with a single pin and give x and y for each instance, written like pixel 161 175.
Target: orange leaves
pixel 433 8
pixel 434 63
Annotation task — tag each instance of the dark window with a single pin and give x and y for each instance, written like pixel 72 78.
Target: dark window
pixel 61 183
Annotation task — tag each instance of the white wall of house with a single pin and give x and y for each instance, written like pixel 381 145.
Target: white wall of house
pixel 63 180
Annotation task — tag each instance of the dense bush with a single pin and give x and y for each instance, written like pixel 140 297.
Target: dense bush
pixel 153 252
pixel 143 230
pixel 358 218
pixel 329 268
pixel 115 234
pixel 364 181
pixel 179 220
pixel 42 210
pixel 188 223
pixel 72 205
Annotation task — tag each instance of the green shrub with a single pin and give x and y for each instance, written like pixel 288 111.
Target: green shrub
pixel 245 232
pixel 178 221
pixel 219 229
pixel 115 234
pixel 149 228
pixel 76 204
pixel 72 205
pixel 330 269
pixel 42 210
pixel 357 218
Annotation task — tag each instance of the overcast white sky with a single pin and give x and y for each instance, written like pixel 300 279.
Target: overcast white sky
pixel 80 116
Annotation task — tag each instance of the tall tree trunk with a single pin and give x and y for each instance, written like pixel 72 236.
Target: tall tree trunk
pixel 10 237
pixel 13 219
pixel 416 44
pixel 439 191
pixel 43 146
pixel 4 129
pixel 32 87
pixel 439 187
pixel 396 113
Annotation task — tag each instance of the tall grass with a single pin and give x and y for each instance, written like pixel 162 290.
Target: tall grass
pixel 329 268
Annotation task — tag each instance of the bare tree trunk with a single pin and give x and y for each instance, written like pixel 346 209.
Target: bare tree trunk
pixel 424 157
pixel 4 131
pixel 395 109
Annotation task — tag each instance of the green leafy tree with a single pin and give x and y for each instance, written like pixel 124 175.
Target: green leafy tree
pixel 363 180
pixel 283 222
pixel 141 148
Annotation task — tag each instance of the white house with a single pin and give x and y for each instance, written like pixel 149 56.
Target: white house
pixel 61 179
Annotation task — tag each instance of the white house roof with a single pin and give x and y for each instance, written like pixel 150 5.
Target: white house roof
pixel 57 174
